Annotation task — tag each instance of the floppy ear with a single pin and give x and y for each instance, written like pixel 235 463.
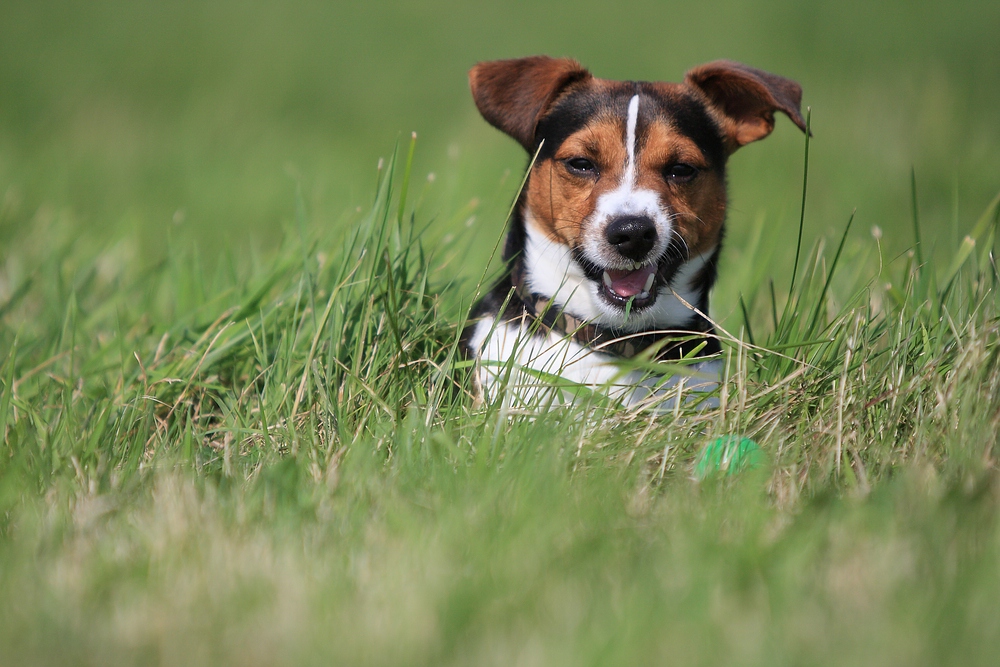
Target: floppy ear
pixel 746 99
pixel 513 95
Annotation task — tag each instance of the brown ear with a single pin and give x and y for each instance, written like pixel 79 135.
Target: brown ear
pixel 746 98
pixel 513 95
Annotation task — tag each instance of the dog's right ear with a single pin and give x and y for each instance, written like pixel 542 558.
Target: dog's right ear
pixel 513 95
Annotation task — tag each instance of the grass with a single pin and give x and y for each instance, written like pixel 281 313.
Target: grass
pixel 263 451
pixel 288 468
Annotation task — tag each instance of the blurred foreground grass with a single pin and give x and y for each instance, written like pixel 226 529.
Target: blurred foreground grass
pixel 234 431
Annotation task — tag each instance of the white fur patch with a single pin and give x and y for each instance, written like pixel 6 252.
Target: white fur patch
pixel 630 124
pixel 551 271
pixel 527 365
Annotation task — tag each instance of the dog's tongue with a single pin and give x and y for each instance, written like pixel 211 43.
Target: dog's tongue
pixel 630 283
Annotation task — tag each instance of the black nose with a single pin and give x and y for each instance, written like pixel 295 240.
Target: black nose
pixel 633 236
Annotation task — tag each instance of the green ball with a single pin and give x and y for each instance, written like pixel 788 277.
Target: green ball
pixel 729 454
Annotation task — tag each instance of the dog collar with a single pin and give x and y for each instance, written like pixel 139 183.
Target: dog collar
pixel 669 345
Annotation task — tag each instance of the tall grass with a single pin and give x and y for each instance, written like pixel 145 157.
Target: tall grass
pixel 280 462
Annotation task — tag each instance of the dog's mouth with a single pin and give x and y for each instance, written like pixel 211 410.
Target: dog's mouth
pixel 620 286
pixel 633 288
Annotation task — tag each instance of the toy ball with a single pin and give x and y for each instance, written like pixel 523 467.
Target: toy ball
pixel 730 455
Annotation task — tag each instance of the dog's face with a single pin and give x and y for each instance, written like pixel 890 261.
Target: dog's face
pixel 629 177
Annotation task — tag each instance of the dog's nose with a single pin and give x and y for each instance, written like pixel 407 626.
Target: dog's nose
pixel 633 236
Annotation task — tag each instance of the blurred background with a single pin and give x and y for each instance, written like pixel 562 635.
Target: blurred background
pixel 195 123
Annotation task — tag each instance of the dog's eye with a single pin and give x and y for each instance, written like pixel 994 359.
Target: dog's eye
pixel 580 166
pixel 680 172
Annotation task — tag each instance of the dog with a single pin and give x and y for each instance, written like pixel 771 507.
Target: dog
pixel 614 240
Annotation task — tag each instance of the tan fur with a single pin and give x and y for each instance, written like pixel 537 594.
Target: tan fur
pixel 561 201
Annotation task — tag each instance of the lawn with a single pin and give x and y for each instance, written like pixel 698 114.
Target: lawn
pixel 236 429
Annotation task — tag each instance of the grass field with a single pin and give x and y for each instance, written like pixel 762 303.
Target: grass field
pixel 236 431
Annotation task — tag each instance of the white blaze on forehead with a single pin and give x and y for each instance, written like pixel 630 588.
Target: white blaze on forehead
pixel 633 118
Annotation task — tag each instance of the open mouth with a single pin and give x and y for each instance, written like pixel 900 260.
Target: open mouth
pixel 620 286
pixel 634 287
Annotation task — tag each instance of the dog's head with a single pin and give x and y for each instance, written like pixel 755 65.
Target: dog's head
pixel 629 179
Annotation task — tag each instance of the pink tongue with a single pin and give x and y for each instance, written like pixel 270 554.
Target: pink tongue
pixel 630 283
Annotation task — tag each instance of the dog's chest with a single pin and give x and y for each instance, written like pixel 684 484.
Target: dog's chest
pixel 538 368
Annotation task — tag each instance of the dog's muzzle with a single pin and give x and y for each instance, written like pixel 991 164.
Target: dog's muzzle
pixel 631 278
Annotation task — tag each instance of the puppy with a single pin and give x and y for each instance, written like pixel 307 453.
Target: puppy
pixel 615 238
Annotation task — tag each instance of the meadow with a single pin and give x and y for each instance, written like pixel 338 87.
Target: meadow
pixel 236 429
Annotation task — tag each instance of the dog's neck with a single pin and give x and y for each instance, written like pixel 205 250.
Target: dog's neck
pixel 554 293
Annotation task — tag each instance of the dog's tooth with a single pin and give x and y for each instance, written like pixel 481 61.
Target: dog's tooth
pixel 649 282
pixel 643 295
pixel 607 280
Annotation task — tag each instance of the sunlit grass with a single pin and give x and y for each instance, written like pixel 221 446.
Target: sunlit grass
pixel 281 462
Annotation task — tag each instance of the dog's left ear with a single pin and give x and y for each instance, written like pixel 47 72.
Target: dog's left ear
pixel 746 99
pixel 513 95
